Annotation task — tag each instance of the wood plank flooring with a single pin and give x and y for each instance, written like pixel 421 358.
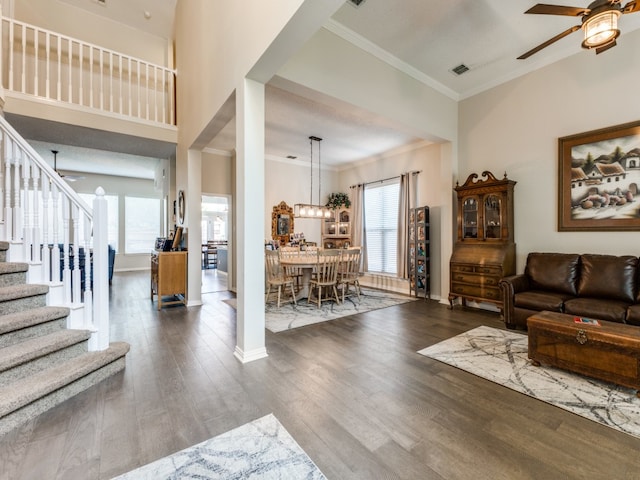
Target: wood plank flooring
pixel 352 392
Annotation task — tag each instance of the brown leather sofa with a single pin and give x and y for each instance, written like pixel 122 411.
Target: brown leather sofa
pixel 594 286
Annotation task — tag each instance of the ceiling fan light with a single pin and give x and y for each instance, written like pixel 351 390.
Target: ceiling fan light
pixel 601 29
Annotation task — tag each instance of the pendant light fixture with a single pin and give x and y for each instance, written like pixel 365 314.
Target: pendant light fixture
pixel 309 210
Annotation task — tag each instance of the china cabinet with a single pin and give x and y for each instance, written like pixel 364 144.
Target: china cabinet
pixel 336 229
pixel 485 250
pixel 419 252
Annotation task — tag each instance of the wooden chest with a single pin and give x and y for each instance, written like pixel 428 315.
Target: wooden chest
pixel 608 351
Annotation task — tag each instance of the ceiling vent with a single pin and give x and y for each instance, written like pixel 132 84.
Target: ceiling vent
pixel 102 2
pixel 356 3
pixel 460 69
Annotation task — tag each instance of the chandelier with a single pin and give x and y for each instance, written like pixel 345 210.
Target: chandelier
pixel 309 210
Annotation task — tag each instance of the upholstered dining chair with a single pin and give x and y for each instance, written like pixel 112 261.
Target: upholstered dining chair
pixel 276 276
pixel 324 280
pixel 349 272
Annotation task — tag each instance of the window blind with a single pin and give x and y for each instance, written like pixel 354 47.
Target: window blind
pixel 381 224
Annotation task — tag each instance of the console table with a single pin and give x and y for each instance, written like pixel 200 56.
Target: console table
pixel 169 277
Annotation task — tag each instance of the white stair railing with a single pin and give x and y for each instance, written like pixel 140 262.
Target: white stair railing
pixel 49 241
pixel 53 67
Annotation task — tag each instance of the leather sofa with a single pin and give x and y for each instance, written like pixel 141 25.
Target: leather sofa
pixel 595 286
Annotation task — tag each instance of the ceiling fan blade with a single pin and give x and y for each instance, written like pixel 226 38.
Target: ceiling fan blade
pixel 606 47
pixel 549 42
pixel 631 7
pixel 544 9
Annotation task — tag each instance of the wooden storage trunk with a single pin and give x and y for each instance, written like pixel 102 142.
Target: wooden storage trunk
pixel 609 351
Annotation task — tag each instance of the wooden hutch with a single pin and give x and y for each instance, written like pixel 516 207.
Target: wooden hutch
pixel 485 250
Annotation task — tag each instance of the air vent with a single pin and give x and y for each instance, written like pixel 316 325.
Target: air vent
pixel 291 157
pixel 356 3
pixel 460 69
pixel 102 2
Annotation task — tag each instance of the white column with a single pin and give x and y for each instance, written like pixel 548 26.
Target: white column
pixel 250 341
pixel 193 215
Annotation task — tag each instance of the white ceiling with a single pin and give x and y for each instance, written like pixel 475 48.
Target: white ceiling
pixel 424 38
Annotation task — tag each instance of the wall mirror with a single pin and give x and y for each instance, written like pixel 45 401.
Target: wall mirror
pixel 281 222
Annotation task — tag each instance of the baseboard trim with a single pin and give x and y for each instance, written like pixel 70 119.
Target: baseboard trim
pixel 250 356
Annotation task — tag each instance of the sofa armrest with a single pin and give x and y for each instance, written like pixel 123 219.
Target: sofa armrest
pixel 509 286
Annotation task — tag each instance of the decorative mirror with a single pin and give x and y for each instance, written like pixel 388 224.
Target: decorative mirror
pixel 181 207
pixel 282 222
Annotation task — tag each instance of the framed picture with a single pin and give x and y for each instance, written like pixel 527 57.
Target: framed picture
pixel 599 180
pixel 284 220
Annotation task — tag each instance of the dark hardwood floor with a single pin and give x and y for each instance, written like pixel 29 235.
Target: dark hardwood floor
pixel 352 392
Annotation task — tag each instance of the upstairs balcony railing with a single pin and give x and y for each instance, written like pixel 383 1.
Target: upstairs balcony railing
pixel 53 67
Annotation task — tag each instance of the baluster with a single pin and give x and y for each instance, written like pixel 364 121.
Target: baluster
pixel 76 274
pixel 17 204
pixel 47 271
pixel 24 59
pixel 47 80
pixel 26 210
pixel 8 213
pixel 121 85
pixel 11 54
pixel 70 47
pixel 88 274
pixel 111 82
pixel 37 230
pixel 101 55
pixel 130 89
pixel 66 271
pixel 55 219
pixel 3 172
pixel 146 97
pixel 81 73
pixel 90 76
pixel 59 79
pixel 36 38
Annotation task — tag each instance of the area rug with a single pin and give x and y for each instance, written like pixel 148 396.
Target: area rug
pixel 290 316
pixel 262 449
pixel 501 356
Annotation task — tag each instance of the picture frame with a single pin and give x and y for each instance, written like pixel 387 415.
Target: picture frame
pixel 282 222
pixel 599 180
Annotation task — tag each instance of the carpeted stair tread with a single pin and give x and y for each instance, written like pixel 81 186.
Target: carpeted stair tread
pixel 28 318
pixel 33 348
pixel 4 246
pixel 30 389
pixel 14 292
pixel 13 267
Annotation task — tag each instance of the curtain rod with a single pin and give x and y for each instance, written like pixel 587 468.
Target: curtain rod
pixel 414 172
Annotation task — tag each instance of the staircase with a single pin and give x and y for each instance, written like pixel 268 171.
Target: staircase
pixel 42 363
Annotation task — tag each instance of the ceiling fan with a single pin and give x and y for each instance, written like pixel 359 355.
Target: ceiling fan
pixel 599 22
pixel 68 178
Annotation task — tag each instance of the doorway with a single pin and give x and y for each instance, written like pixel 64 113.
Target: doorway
pixel 215 243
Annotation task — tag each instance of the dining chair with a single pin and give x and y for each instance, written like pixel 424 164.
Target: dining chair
pixel 276 276
pixel 349 272
pixel 290 270
pixel 324 280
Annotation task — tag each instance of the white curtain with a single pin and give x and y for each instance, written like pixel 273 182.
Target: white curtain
pixel 357 223
pixel 407 201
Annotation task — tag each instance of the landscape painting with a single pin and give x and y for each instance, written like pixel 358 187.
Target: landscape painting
pixel 599 180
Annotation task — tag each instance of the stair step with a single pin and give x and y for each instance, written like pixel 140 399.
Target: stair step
pixel 13 273
pixel 36 354
pixel 15 298
pixel 34 395
pixel 18 326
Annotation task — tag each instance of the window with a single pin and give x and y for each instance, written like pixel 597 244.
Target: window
pixel 112 220
pixel 141 224
pixel 381 203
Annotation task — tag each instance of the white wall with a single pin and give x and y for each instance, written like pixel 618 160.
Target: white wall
pixel 515 128
pixel 427 159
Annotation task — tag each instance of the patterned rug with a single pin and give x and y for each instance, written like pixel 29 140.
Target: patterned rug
pixel 501 356
pixel 290 316
pixel 262 449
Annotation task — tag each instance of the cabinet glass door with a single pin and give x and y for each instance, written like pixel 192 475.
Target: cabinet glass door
pixel 492 217
pixel 470 218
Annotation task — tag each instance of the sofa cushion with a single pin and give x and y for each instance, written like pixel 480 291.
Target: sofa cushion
pixel 603 309
pixel 608 276
pixel 555 272
pixel 633 315
pixel 539 300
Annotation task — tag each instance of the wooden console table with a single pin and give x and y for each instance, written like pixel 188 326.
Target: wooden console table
pixel 608 351
pixel 169 277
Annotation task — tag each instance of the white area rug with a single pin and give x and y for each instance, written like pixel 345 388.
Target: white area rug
pixel 262 449
pixel 290 316
pixel 501 356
